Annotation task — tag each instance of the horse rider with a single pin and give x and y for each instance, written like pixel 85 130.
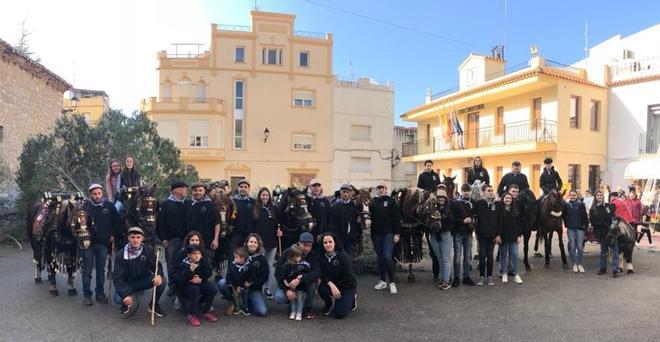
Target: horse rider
pixel 513 177
pixel 428 180
pixel 172 225
pixel 550 179
pixel 478 172
pixel 203 217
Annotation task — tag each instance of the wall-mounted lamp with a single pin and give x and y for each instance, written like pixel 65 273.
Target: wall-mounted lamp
pixel 266 134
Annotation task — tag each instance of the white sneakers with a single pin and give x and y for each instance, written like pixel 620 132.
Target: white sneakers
pixel 580 269
pixel 380 286
pixel 575 268
pixel 299 317
pixel 393 288
pixel 517 279
pixel 292 315
pixel 505 278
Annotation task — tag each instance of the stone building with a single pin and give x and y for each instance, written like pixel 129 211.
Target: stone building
pixel 30 102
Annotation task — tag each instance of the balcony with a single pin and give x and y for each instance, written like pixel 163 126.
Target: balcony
pixel 517 137
pixel 634 69
pixel 647 144
pixel 189 154
pixel 182 105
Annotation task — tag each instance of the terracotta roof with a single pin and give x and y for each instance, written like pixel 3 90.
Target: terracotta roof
pixel 642 79
pixel 10 54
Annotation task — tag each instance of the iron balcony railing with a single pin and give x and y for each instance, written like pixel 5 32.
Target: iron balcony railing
pixel 540 130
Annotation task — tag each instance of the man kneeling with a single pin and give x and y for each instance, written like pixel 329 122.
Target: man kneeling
pixel 134 272
pixel 191 278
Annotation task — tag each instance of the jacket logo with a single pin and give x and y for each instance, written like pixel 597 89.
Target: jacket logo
pixel 105 211
pixel 335 262
pixel 143 258
pixel 481 173
pixel 202 210
pixel 385 204
pixel 256 263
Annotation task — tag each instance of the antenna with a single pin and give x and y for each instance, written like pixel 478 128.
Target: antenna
pixel 256 8
pixel 350 63
pixel 586 38
pixel 505 21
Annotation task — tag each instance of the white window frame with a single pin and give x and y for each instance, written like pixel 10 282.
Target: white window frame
pixel 197 140
pixel 301 101
pixel 167 90
pixel 358 138
pixel 266 56
pixel 201 92
pixel 301 146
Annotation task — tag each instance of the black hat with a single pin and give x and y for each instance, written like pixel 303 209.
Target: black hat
pixel 547 161
pixel 614 194
pixel 193 248
pixel 178 184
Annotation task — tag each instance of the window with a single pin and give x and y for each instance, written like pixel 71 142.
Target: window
pixel 302 142
pixel 201 91
pixel 271 56
pixel 594 111
pixel 184 87
pixel 594 178
pixel 574 176
pixel 167 90
pixel 499 121
pixel 361 133
pixel 428 134
pixel 536 114
pixel 304 59
pixel 470 77
pixel 574 113
pixel 359 164
pixel 239 54
pixel 238 113
pixel 168 129
pixel 411 169
pixel 303 98
pixel 199 133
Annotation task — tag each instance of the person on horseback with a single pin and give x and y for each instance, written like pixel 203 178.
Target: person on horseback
pixel 128 178
pixel 601 215
pixel 173 225
pixel 513 177
pixel 478 172
pixel 550 179
pixel 112 182
pixel 385 233
pixel 428 179
pixel 463 210
pixel 94 251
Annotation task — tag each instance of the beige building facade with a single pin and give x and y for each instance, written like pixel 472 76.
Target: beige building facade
pixel 89 103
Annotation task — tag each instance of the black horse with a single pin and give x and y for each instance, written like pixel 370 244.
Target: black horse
pixel 529 211
pixel 140 210
pixel 294 215
pixel 221 197
pixel 57 227
pixel 550 221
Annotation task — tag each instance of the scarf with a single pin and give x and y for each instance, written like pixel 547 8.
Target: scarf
pixel 131 252
pixel 238 266
pixel 205 199
pixel 240 197
pixel 173 199
pixel 312 196
pixel 330 257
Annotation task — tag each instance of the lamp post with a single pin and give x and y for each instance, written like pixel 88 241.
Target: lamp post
pixel 75 102
pixel 266 134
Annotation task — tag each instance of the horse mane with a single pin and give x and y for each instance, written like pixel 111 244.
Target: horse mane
pixel 410 200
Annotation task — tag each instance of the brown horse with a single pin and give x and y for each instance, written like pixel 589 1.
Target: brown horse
pixel 550 221
pixel 449 183
pixel 141 210
pixel 221 197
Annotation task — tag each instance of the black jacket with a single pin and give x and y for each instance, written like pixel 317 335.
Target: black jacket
pixel 257 271
pixel 339 270
pixel 202 217
pixel 508 223
pixel 448 220
pixel 237 275
pixel 343 221
pixel 127 271
pixel 428 181
pixel 106 222
pixel 312 258
pixel 550 180
pixel 292 271
pixel 320 210
pixel 242 223
pixel 462 209
pixel 182 274
pixel 601 217
pixel 478 173
pixel 487 219
pixel 266 226
pixel 172 220
pixel 129 178
pixel 385 216
pixel 575 215
pixel 512 178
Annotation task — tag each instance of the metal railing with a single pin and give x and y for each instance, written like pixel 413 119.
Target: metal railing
pixel 634 68
pixel 240 28
pixel 186 50
pixel 309 34
pixel 562 66
pixel 540 130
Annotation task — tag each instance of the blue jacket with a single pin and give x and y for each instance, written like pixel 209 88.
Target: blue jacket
pixel 575 215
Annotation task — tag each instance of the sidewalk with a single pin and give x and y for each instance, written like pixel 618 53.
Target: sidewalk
pixel 644 244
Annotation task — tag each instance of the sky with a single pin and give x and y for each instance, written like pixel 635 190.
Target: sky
pixel 112 45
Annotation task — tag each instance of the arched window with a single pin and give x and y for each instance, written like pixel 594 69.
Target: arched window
pixel 184 87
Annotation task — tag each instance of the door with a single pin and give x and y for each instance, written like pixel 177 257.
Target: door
pixel 300 180
pixel 473 130
pixel 536 174
pixel 653 129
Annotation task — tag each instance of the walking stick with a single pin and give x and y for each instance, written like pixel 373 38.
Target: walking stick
pixel 111 267
pixel 153 293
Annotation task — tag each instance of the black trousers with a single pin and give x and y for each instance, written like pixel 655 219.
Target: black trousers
pixel 189 295
pixel 486 247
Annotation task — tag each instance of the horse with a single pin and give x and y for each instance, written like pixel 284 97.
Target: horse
pixel 294 215
pixel 550 221
pixel 363 199
pixel 221 197
pixel 623 234
pixel 141 210
pixel 529 214
pixel 448 182
pixel 57 227
pixel 477 191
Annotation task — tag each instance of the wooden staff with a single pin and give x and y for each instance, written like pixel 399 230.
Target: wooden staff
pixel 279 242
pixel 153 293
pixel 111 267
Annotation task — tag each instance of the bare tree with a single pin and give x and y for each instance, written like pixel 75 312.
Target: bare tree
pixel 23 44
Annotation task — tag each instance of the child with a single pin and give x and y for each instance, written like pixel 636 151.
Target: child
pixel 294 268
pixel 237 280
pixel 191 278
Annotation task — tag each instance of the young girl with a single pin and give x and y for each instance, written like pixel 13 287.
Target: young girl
pixel 112 180
pixel 601 215
pixel 508 234
pixel 576 222
pixel 294 268
pixel 237 274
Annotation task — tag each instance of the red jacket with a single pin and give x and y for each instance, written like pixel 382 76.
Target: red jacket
pixel 635 209
pixel 621 209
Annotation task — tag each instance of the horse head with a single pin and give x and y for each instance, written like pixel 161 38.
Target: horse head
pixel 477 192
pixel 429 211
pixel 305 219
pixel 552 204
pixel 225 206
pixel 78 220
pixel 448 181
pixel 147 209
pixel 363 200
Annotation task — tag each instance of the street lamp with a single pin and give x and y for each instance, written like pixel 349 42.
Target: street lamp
pixel 266 134
pixel 75 102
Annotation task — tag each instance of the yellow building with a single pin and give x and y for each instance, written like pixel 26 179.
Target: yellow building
pixel 524 112
pixel 90 103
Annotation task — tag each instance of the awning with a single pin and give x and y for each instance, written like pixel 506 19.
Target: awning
pixel 643 169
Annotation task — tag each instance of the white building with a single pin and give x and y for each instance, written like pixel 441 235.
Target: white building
pixel 630 67
pixel 404 174
pixel 363 119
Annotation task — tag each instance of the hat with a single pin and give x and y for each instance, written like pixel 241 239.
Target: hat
pixel 244 180
pixel 382 184
pixel 314 182
pixel 306 237
pixel 193 248
pixel 442 193
pixel 547 161
pixel 614 194
pixel 94 186
pixel 442 185
pixel 346 186
pixel 515 162
pixel 198 185
pixel 178 184
pixel 136 230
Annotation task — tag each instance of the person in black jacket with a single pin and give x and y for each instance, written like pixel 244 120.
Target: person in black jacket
pixel 486 212
pixel 294 268
pixel 601 215
pixel 172 225
pixel 343 220
pixel 428 180
pixel 234 286
pixel 191 277
pixel 241 223
pixel 337 279
pixel 128 178
pixel 441 240
pixel 203 217
pixel 319 207
pixel 463 212
pixel 266 225
pixel 550 179
pixel 576 222
pixel 478 172
pixel 508 236
pixel 385 233
pixel 95 249
pixel 134 272
pixel 513 177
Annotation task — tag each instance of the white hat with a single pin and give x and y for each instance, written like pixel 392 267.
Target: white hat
pixel 95 186
pixel 314 181
pixel 382 184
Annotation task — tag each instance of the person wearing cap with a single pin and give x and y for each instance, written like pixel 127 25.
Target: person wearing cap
pixel 172 225
pixel 286 293
pixel 550 179
pixel 191 276
pixel 428 180
pixel 203 217
pixel 241 223
pixel 95 249
pixel 319 206
pixel 134 270
pixel 385 233
pixel 513 177
pixel 343 220
pixel 441 241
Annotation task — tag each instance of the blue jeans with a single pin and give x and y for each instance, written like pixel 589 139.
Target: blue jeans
pixel 462 242
pixel 343 305
pixel 442 250
pixel 384 247
pixel 603 255
pixel 280 296
pixel 271 284
pixel 253 299
pixel 575 245
pixel 509 249
pixel 296 306
pixel 93 258
pixel 171 252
